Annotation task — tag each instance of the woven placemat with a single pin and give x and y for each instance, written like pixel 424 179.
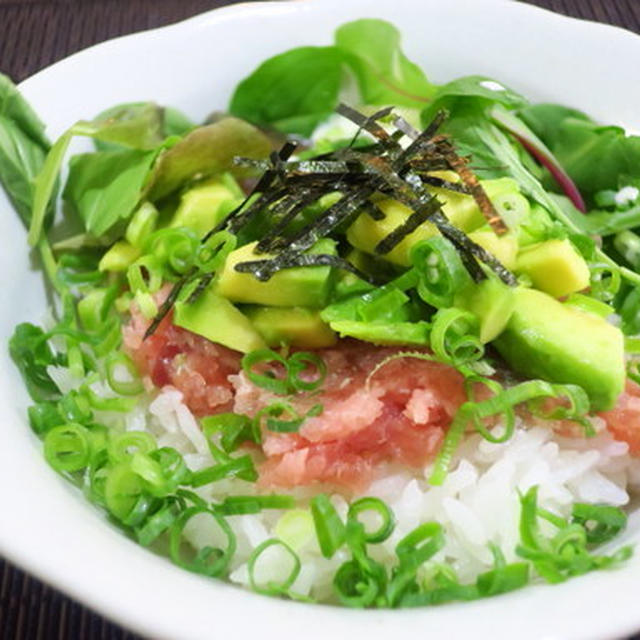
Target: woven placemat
pixel 34 34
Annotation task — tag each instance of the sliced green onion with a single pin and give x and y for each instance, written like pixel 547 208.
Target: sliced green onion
pixel 142 224
pixel 239 505
pixel 271 587
pixel 123 446
pixel 330 529
pixel 174 469
pixel 68 447
pixel 271 380
pixel 209 561
pixel 96 477
pixel 119 404
pixel 512 207
pixel 125 495
pixel 305 361
pixel 605 281
pixel 413 551
pixel 387 524
pixel 186 496
pixel 145 275
pixel 441 271
pixel 75 408
pixel 213 252
pixel 93 307
pixel 44 416
pixel 601 522
pixel 235 428
pixel 354 586
pixel 420 545
pixel 281 418
pixel 110 338
pixel 508 578
pixel 502 404
pixel 119 361
pixel 455 337
pixel 174 248
pixel 157 524
pixel 241 467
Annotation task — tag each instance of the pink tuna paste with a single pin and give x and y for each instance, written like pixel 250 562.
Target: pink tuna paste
pixel 399 417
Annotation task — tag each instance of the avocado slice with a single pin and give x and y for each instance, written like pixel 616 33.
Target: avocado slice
pixel 202 208
pixel 119 257
pixel 504 247
pixel 463 212
pixel 365 233
pixel 295 326
pixel 216 319
pixel 547 339
pixel 298 286
pixel 492 301
pixel 555 267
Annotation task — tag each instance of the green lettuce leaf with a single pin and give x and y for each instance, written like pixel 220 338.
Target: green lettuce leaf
pixel 205 151
pixel 595 156
pixel 21 159
pixel 292 92
pixel 481 87
pixel 104 188
pixel 138 125
pixel 23 148
pixel 14 107
pixel 385 75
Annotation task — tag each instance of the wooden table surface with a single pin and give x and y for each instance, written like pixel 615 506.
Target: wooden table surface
pixel 36 33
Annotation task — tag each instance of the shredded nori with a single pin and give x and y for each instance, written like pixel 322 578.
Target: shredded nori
pixel 385 167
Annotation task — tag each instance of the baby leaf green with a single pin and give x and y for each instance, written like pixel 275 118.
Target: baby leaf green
pixel 593 155
pixel 205 151
pixel 292 92
pixel 14 107
pixel 385 75
pixel 104 188
pixel 20 162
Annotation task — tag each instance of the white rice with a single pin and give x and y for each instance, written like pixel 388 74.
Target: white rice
pixel 477 504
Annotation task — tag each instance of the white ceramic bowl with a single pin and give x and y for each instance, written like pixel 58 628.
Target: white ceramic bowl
pixel 48 529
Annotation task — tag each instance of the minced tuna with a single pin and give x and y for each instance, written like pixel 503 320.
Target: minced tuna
pixel 397 415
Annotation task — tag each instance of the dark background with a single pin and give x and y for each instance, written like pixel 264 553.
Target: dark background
pixel 34 34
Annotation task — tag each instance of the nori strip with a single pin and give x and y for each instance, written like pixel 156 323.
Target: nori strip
pixel 165 307
pixel 408 129
pixel 419 215
pixel 264 269
pixel 203 283
pixel 373 211
pixel 445 184
pixel 462 240
pixel 273 239
pixel 286 187
pixel 366 123
pixel 459 165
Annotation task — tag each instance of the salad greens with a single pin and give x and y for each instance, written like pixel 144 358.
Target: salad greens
pixel 469 243
pixel 295 91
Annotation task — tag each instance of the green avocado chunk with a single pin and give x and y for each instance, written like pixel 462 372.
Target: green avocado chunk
pixel 560 343
pixel 295 287
pixel 392 333
pixel 216 319
pixel 295 326
pixel 202 207
pixel 492 301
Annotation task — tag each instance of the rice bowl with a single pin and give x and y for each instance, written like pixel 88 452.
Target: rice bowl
pixel 463 486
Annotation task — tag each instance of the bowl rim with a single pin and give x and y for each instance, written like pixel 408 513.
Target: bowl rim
pixel 290 615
